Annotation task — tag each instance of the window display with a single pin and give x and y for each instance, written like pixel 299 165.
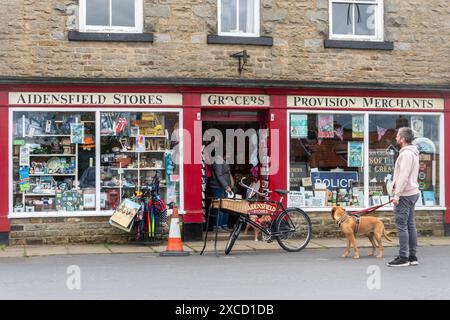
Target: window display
pixel 383 152
pixel 53 161
pixel 326 160
pixel 135 149
pixel 54 157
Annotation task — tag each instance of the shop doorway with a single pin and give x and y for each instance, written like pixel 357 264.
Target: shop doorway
pixel 244 157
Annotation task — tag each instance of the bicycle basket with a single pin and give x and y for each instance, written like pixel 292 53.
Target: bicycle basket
pixel 235 206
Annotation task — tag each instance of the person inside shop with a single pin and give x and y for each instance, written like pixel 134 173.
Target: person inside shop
pixel 219 185
pixel 406 193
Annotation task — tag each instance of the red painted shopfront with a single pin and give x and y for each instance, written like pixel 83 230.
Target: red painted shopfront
pixel 275 109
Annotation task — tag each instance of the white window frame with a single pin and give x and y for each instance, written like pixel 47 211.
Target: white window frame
pixel 97 212
pixel 439 207
pixel 379 21
pixel 138 19
pixel 239 34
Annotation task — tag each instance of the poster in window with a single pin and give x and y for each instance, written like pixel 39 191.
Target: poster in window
pixel 417 126
pixel 326 126
pixel 77 133
pixel 358 127
pixel 355 154
pixel 24 156
pixel 299 126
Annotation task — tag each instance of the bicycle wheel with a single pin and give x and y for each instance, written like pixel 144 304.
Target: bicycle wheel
pixel 233 236
pixel 294 228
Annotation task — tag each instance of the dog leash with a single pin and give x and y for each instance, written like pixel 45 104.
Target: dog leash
pixel 368 210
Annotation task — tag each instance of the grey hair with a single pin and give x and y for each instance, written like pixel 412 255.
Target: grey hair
pixel 407 134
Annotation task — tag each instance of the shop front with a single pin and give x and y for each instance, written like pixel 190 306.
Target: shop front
pixel 75 154
pixel 342 151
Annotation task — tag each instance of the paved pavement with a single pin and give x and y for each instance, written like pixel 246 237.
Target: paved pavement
pixel 246 275
pixel 194 247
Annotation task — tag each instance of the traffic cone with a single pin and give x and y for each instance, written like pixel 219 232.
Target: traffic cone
pixel 174 244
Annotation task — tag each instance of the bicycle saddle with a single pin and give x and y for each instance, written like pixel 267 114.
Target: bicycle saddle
pixel 282 192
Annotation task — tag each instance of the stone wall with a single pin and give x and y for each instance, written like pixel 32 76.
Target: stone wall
pixel 34 43
pixel 97 229
pixel 68 231
pixel 428 223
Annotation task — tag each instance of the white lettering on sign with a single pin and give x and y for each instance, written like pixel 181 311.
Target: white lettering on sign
pixel 335 183
pixel 87 98
pixel 365 102
pixel 235 100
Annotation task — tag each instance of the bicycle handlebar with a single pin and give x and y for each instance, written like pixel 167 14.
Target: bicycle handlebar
pixel 262 194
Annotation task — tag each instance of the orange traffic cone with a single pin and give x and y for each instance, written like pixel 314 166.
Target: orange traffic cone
pixel 174 244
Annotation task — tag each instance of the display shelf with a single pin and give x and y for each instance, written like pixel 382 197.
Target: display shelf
pixel 135 169
pixel 47 135
pixel 52 174
pixel 52 155
pixel 40 194
pixel 146 151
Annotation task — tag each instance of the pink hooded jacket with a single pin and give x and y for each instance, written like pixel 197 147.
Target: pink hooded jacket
pixel 406 172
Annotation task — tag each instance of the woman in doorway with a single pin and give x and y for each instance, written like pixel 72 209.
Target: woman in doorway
pixel 219 185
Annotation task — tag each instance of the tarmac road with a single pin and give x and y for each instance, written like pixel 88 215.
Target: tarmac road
pixel 310 274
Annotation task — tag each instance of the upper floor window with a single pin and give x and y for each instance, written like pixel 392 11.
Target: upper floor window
pixel 111 16
pixel 238 18
pixel 356 20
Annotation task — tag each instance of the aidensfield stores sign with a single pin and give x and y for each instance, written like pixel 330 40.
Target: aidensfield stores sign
pixel 317 102
pixel 88 98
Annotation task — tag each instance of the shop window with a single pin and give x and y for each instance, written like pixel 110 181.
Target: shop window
pixel 111 16
pixel 356 20
pixel 53 161
pixel 383 152
pixel 138 154
pixel 326 160
pixel 238 18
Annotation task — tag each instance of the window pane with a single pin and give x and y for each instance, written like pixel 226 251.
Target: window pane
pixel 228 16
pixel 97 12
pixel 123 13
pixel 326 159
pixel 383 151
pixel 342 18
pixel 365 19
pixel 135 148
pixel 247 16
pixel 54 161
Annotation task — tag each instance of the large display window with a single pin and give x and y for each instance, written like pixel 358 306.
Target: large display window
pixel 383 152
pixel 326 159
pixel 76 161
pixel 53 161
pixel 137 152
pixel 348 159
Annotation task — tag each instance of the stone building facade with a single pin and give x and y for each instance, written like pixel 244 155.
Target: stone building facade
pixel 34 37
pixel 42 49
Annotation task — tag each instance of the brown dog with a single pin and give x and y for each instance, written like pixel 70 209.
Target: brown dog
pixel 259 219
pixel 372 227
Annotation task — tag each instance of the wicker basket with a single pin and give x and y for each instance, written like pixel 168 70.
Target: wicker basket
pixel 235 206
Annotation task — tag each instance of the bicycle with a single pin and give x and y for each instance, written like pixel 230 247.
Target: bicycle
pixel 291 227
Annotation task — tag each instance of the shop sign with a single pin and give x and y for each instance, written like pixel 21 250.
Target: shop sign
pixel 334 180
pixel 91 98
pixel 261 208
pixel 316 102
pixel 235 100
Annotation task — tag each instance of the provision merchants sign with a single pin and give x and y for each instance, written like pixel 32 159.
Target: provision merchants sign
pixel 92 98
pixel 365 102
